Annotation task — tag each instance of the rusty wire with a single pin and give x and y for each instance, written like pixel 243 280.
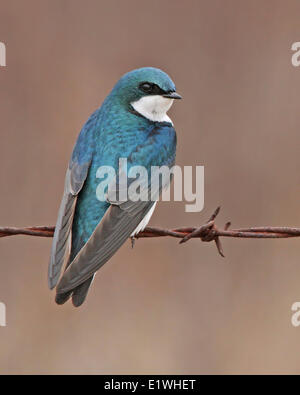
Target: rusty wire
pixel 206 232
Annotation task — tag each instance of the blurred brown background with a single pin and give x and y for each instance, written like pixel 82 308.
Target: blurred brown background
pixel 160 308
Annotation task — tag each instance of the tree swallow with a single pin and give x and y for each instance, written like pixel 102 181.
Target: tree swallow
pixel 132 123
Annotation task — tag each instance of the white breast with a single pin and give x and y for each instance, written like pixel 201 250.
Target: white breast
pixel 142 225
pixel 154 107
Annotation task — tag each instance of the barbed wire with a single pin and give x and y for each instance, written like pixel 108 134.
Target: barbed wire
pixel 206 232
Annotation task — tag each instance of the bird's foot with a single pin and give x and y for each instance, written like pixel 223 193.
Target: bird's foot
pixel 132 238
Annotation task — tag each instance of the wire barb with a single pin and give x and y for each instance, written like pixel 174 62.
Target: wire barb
pixel 206 232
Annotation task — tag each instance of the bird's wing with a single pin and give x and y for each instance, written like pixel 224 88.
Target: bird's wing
pixel 116 226
pixel 62 235
pixel 74 181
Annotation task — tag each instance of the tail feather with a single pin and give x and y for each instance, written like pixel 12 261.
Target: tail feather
pixel 63 298
pixel 81 291
pixel 78 294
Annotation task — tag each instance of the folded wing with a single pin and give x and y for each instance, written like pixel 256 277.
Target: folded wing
pixel 118 223
pixel 61 245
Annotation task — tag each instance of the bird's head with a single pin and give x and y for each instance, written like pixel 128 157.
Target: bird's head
pixel 147 91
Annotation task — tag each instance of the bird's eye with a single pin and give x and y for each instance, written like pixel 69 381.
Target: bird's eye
pixel 146 87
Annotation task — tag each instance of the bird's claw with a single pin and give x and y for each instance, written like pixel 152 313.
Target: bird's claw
pixel 132 238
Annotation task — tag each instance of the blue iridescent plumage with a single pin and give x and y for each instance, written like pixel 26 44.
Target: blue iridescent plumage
pixel 113 131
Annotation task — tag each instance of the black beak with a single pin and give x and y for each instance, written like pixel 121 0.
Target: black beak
pixel 172 95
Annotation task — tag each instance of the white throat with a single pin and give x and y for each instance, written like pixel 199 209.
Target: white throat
pixel 154 107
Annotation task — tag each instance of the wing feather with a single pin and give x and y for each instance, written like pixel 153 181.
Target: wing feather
pixel 61 245
pixel 118 223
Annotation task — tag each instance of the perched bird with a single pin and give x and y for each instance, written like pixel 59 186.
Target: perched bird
pixel 131 123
